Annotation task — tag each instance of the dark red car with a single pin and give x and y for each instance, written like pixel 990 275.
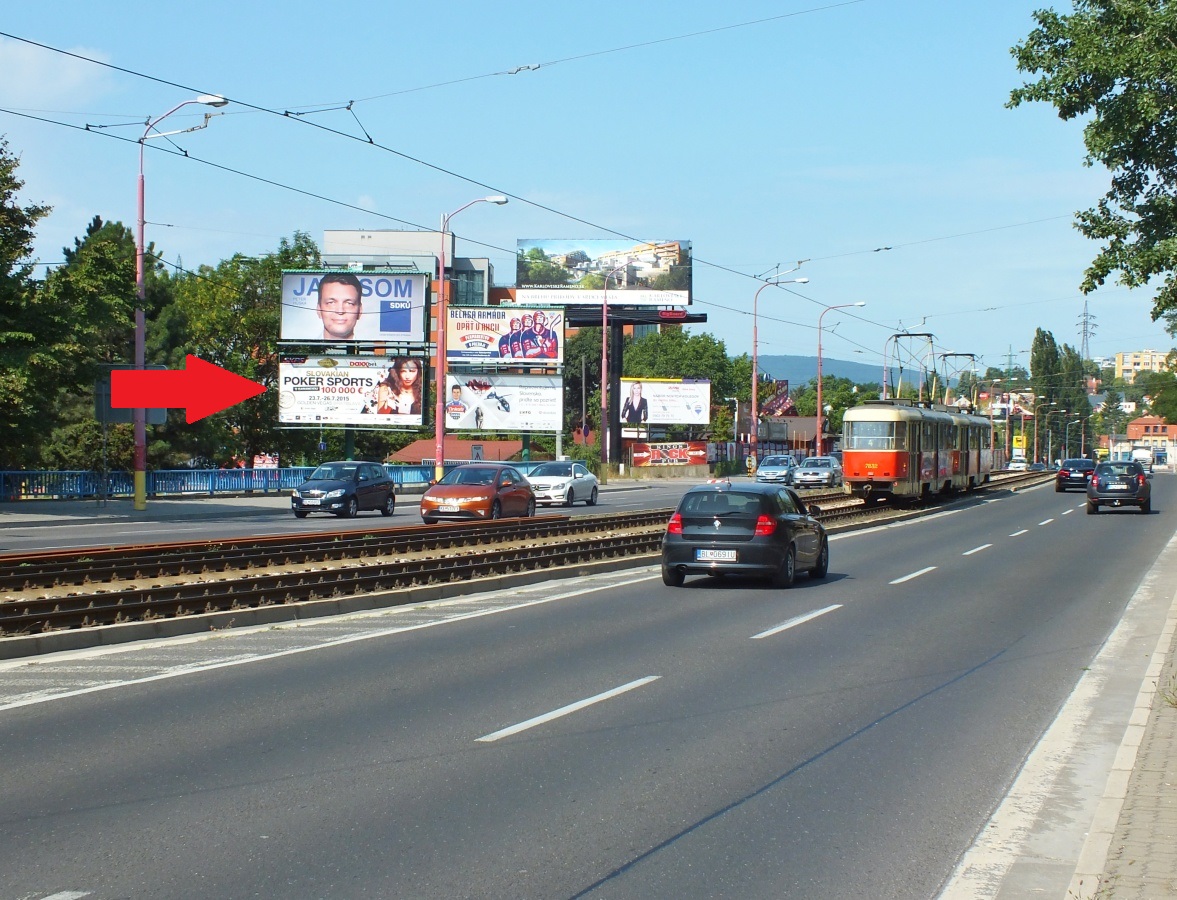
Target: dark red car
pixel 1074 473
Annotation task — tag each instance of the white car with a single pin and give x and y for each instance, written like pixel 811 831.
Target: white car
pixel 818 471
pixel 564 483
pixel 1018 464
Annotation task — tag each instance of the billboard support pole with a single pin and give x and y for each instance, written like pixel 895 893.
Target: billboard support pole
pixel 606 430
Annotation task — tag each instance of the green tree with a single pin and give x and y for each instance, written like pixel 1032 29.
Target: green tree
pixel 534 268
pixel 25 381
pixel 1114 64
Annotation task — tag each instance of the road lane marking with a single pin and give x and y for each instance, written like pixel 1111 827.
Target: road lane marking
pixel 567 710
pixel 797 620
pixel 914 575
pixel 1067 512
pixel 1046 521
pixel 976 550
pixel 1019 533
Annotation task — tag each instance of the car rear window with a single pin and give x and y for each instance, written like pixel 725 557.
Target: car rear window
pixel 1078 464
pixel 716 503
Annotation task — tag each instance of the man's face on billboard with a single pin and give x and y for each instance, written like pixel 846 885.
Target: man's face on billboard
pixel 339 310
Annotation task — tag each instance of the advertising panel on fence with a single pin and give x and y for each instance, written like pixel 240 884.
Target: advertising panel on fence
pixel 353 306
pixel 350 390
pixel 683 453
pixel 526 337
pixel 504 403
pixel 587 272
pixel 665 401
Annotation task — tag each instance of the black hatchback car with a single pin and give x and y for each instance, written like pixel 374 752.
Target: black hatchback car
pixel 344 488
pixel 1119 483
pixel 748 529
pixel 1073 473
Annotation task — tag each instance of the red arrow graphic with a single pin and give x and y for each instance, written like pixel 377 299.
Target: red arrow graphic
pixel 201 388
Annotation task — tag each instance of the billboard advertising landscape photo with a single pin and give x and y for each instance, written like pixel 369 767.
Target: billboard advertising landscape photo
pixel 584 272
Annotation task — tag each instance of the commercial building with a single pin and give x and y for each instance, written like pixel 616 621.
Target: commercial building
pixel 1128 365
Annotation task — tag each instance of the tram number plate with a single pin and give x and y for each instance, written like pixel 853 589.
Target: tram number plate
pixel 448 508
pixel 715 555
pixel 309 502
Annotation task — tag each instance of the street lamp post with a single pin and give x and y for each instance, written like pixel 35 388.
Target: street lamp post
pixel 1038 406
pixel 754 422
pixel 820 429
pixel 139 414
pixel 442 315
pixel 605 429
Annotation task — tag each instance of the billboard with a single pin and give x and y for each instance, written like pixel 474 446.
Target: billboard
pixel 683 453
pixel 324 305
pixel 350 390
pixel 664 401
pixel 526 337
pixel 575 272
pixel 504 402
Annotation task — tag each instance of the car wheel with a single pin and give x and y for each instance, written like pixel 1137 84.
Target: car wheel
pixel 787 573
pixel 531 509
pixel 429 520
pixel 823 561
pixel 1092 508
pixel 592 500
pixel 672 577
pixel 1146 506
pixel 389 506
pixel 1058 489
pixel 496 510
pixel 300 514
pixel 351 509
pixel 570 497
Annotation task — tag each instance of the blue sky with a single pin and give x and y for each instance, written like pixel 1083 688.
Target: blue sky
pixel 762 132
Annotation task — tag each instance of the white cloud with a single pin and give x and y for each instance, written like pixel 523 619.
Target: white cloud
pixel 38 78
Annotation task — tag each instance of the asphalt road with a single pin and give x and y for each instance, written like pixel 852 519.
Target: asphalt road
pixel 606 738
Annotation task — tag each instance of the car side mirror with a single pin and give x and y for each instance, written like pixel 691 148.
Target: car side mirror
pixel 813 510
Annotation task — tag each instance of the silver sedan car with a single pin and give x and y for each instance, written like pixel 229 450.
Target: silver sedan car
pixel 818 471
pixel 776 469
pixel 564 483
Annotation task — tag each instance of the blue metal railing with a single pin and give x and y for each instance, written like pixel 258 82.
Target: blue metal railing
pixel 46 485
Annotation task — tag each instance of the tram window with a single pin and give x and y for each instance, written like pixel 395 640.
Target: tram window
pixel 869 435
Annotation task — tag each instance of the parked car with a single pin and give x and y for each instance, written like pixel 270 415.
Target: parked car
pixel 1018 464
pixel 564 483
pixel 776 469
pixel 749 529
pixel 1074 473
pixel 344 488
pixel 818 471
pixel 1037 467
pixel 478 491
pixel 1119 483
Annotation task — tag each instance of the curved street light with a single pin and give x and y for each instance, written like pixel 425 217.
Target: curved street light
pixel 754 424
pixel 139 415
pixel 442 315
pixel 819 430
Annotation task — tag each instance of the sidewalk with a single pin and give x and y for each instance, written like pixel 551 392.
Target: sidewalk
pixel 1130 851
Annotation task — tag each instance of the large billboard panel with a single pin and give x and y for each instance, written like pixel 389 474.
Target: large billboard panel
pixel 664 401
pixel 504 402
pixel 335 306
pixel 350 390
pixel 525 337
pixel 684 453
pixel 576 272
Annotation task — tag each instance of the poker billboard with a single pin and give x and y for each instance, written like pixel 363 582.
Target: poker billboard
pixel 338 306
pixel 350 390
pixel 591 272
pixel 493 402
pixel 525 337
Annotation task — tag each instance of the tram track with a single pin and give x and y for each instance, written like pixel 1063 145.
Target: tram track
pixel 219 584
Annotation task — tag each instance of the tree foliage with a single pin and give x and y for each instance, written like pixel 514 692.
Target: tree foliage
pixel 1115 62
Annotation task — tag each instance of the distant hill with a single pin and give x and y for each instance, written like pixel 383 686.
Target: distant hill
pixel 800 370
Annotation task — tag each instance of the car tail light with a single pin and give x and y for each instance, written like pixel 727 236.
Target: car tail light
pixel 1140 480
pixel 1064 473
pixel 765 526
pixel 674 526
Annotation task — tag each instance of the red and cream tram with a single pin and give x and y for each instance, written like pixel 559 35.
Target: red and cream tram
pixel 909 449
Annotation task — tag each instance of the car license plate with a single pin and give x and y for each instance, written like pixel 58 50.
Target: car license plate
pixel 448 508
pixel 306 502
pixel 715 555
pixel 1119 487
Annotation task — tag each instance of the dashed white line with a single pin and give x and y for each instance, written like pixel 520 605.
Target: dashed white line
pixel 1019 533
pixel 1067 512
pixel 976 550
pixel 914 575
pixel 67 895
pixel 797 620
pixel 566 710
pixel 1046 521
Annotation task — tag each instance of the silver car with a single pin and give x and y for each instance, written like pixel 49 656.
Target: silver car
pixel 564 483
pixel 818 471
pixel 776 469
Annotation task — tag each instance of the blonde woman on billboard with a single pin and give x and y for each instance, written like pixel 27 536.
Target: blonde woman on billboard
pixel 636 409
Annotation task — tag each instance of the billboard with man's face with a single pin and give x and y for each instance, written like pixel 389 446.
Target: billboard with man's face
pixel 592 272
pixel 338 306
